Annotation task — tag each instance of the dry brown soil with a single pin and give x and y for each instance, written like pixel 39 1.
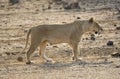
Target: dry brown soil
pixel 96 60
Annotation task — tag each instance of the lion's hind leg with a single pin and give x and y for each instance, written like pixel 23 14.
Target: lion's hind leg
pixel 33 47
pixel 42 51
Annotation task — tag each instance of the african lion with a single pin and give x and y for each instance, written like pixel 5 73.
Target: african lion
pixel 67 33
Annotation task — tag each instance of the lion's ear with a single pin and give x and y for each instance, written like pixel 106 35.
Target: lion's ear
pixel 91 20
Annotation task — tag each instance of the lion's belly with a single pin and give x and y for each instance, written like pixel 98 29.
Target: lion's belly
pixel 58 40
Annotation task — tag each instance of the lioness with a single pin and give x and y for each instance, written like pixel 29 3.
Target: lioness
pixel 68 33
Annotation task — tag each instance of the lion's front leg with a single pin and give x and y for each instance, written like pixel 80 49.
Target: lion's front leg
pixel 42 51
pixel 74 45
pixel 75 53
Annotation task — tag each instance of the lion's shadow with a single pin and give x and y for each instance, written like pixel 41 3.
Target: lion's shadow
pixel 74 63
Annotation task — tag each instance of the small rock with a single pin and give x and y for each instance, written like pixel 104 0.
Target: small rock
pixel 8 53
pixel 49 7
pixel 5 23
pixel 92 38
pixel 9 43
pixel 13 53
pixel 83 38
pixel 116 48
pixel 86 38
pixel 116 32
pixel 117 66
pixel 78 17
pixel 117 28
pixel 92 35
pixel 63 22
pixel 27 8
pixel 13 1
pixel 20 25
pixel 115 25
pixel 96 32
pixel 47 19
pixel 37 10
pixel 110 43
pixel 115 55
pixel 20 59
pixel 2 5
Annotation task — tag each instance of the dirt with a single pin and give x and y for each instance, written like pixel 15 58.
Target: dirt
pixel 96 63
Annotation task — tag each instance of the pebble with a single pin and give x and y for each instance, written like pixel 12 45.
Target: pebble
pixel 116 54
pixel 110 43
pixel 92 38
pixel 117 28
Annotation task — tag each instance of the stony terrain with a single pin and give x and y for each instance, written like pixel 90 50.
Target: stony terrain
pixel 97 63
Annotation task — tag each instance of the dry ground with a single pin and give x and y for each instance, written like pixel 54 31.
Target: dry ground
pixel 96 64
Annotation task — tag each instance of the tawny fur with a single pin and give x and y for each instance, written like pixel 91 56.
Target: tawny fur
pixel 59 33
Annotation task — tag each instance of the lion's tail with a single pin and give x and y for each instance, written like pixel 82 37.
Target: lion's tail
pixel 27 39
